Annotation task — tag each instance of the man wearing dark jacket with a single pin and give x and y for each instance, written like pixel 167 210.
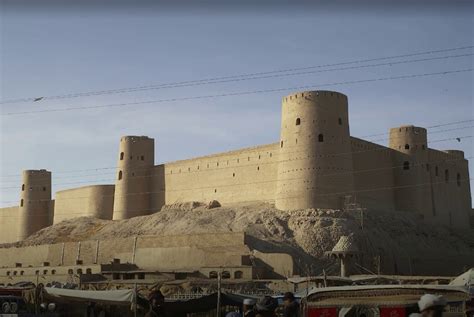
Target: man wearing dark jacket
pixel 291 306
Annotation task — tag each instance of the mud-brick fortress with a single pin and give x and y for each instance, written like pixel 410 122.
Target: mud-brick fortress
pixel 315 164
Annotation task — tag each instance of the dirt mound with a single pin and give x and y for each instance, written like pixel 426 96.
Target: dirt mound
pixel 395 242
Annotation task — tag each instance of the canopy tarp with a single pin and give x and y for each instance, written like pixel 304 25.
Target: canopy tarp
pixel 117 297
pixel 204 304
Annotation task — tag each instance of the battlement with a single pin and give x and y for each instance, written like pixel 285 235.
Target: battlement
pixel 456 153
pixel 314 94
pixel 408 129
pixel 135 138
pixel 36 172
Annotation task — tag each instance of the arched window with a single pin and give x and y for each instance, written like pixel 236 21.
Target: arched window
pixel 70 271
pixel 298 121
pixel 238 274
pixel 53 272
pixel 213 274
pixel 21 203
pixel 321 138
pixel 406 165
pixel 79 271
pixel 225 274
pixel 340 121
pixel 142 157
pixel 23 187
pixel 407 146
pixel 458 179
pixel 446 176
pixel 120 175
pixel 45 272
pixel 121 156
pixel 88 271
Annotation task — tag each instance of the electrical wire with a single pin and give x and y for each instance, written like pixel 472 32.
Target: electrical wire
pixel 232 94
pixel 256 75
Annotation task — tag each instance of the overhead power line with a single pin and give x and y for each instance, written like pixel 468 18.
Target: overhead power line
pixel 312 86
pixel 254 76
pixel 427 127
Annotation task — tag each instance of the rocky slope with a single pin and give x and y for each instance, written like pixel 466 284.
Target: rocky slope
pixel 402 241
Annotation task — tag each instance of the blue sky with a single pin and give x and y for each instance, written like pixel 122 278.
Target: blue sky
pixel 60 50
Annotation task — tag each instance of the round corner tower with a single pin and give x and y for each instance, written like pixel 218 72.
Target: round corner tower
pixel 132 186
pixel 411 171
pixel 35 202
pixel 315 160
pixel 410 140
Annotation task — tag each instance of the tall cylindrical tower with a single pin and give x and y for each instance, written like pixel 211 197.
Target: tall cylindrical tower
pixel 132 186
pixel 35 202
pixel 411 171
pixel 315 160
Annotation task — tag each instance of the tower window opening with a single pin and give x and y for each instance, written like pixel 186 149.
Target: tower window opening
pixel 436 170
pixel 340 121
pixel 406 165
pixel 131 157
pixel 296 141
pixel 281 144
pixel 407 146
pixel 23 187
pixel 233 174
pixel 427 167
pixel 142 157
pixel 298 121
pixel 458 179
pixel 120 175
pixel 121 156
pixel 21 203
pixel 215 190
pixel 44 188
pixel 258 168
pixel 321 138
pixel 446 176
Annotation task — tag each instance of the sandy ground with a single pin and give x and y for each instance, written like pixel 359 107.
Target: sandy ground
pixel 402 241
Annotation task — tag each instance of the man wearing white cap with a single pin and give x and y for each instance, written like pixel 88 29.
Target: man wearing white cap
pixel 431 305
pixel 248 307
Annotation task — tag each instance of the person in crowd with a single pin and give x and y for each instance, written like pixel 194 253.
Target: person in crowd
pixel 266 307
pixel 248 307
pixel 431 305
pixel 157 301
pixel 291 306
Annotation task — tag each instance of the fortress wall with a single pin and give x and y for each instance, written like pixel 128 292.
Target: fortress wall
pixel 238 176
pixel 9 218
pixel 89 201
pixel 204 240
pixel 373 174
pixel 152 252
pixel 451 193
